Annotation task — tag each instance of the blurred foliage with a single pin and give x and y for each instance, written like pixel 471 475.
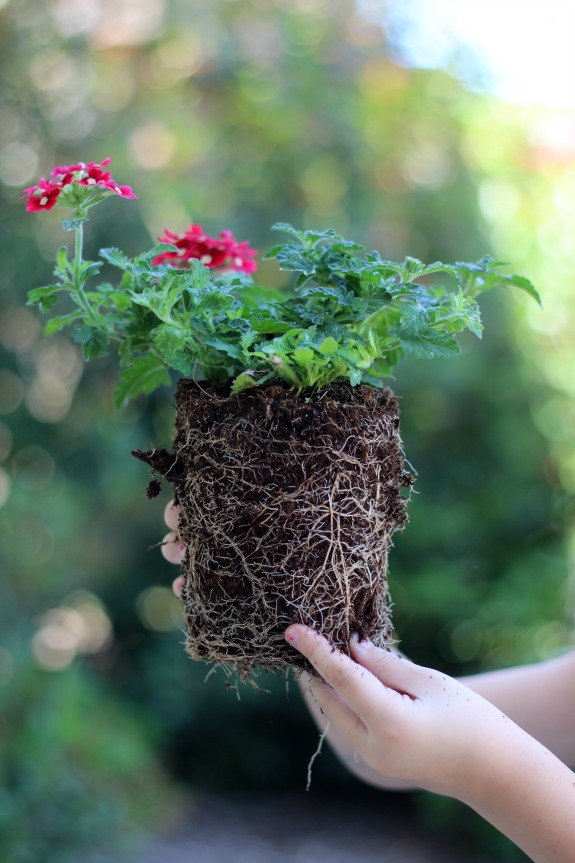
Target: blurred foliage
pixel 237 114
pixel 68 760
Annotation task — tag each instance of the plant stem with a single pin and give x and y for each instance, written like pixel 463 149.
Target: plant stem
pixel 78 281
pixel 78 246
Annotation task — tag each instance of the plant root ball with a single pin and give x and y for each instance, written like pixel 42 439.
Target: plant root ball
pixel 288 505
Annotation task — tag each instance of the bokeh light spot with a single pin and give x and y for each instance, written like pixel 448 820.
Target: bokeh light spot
pixel 5 486
pixel 11 391
pixel 18 164
pixel 79 625
pixel 159 609
pixel 18 329
pixel 153 145
pixel 35 468
pixel 5 441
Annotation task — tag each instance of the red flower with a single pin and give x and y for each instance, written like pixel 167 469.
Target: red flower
pixel 223 251
pixel 63 176
pixel 42 197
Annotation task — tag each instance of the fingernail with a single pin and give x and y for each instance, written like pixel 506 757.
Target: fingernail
pixel 292 635
pixel 182 549
pixel 357 644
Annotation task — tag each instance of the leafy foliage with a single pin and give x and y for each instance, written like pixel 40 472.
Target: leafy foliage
pixel 80 773
pixel 350 315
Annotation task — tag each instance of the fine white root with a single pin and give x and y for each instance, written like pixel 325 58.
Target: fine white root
pixel 322 737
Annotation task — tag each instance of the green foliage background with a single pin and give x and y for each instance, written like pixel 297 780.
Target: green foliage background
pixel 236 114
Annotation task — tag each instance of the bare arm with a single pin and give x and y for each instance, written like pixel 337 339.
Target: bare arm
pixel 540 698
pixel 424 728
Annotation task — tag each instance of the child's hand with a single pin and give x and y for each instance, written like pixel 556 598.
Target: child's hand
pixel 404 721
pixel 420 726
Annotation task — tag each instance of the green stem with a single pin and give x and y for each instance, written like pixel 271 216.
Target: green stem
pixel 78 246
pixel 79 294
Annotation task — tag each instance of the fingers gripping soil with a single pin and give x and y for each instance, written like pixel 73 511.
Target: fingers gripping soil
pixel 172 515
pixel 349 680
pixel 172 547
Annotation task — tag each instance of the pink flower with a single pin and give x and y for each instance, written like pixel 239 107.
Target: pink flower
pixel 42 197
pixel 223 251
pixel 45 195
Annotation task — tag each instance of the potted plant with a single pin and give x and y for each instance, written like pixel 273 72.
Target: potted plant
pixel 287 462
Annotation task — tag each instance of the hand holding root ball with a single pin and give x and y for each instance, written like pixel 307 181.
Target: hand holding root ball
pixel 387 717
pixel 401 720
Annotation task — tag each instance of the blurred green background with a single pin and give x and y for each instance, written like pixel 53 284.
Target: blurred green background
pixel 236 114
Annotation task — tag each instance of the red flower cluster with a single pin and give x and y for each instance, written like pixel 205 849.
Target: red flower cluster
pixel 45 195
pixel 223 251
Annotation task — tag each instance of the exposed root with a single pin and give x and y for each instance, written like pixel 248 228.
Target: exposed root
pixel 288 505
pixel 322 737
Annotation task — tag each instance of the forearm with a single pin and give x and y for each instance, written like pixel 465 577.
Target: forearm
pixel 526 793
pixel 540 698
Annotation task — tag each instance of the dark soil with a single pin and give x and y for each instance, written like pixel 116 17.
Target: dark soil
pixel 288 505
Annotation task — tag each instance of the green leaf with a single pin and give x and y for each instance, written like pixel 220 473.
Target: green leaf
pixel 90 268
pixel 418 337
pixel 268 325
pixel 156 250
pixel 306 238
pixel 430 344
pixel 116 258
pixel 245 381
pixel 466 313
pixel 54 325
pixel 169 341
pixel 146 374
pixel 63 265
pixel 294 259
pixel 525 285
pixel 328 346
pixel 286 228
pixel 303 356
pixel 45 297
pixel 120 301
pixel 94 342
pixel 413 267
pixel 228 348
pixel 372 380
pixel 274 251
